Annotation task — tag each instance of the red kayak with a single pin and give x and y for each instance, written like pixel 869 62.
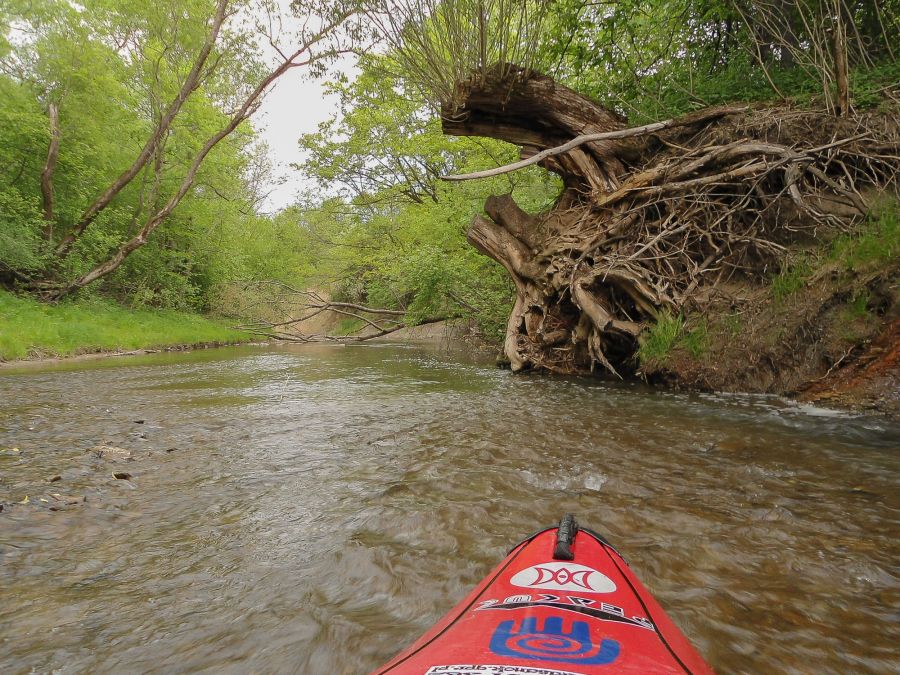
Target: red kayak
pixel 563 602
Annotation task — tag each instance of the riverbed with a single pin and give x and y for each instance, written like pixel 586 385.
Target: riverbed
pixel 314 509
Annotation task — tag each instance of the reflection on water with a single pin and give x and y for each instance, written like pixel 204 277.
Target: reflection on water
pixel 312 510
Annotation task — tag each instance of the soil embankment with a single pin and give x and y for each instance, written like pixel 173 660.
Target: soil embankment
pixel 832 342
pixel 871 381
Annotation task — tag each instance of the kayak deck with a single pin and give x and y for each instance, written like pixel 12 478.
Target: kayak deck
pixel 563 602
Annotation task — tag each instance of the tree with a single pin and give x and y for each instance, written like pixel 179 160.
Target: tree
pixel 382 146
pixel 304 53
pixel 189 75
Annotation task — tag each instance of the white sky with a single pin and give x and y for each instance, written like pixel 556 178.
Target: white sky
pixel 294 107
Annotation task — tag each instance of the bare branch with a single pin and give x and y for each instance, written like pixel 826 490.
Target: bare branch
pixel 592 138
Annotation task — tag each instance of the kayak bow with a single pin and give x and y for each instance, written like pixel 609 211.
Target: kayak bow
pixel 563 602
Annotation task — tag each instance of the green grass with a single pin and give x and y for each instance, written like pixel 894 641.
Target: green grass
pixel 696 341
pixel 659 341
pixel 876 244
pixel 29 328
pixel 668 334
pixel 792 278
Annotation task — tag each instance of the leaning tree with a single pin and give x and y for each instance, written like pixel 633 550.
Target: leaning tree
pixel 221 57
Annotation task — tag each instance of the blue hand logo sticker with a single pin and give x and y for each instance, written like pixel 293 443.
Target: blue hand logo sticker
pixel 551 643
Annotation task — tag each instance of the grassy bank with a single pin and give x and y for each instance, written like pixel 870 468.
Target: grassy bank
pixel 31 329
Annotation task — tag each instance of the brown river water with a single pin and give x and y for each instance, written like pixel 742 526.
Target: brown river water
pixel 315 509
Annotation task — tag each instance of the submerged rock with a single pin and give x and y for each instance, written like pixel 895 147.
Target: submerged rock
pixel 60 502
pixel 111 453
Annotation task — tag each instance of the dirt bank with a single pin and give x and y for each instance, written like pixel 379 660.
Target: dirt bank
pixel 825 330
pixel 870 382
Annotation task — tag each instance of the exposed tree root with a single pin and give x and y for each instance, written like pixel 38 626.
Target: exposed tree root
pixel 649 218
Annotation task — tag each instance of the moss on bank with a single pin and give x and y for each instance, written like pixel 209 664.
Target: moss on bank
pixel 31 329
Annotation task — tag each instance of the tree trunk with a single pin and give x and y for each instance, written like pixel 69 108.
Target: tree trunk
pixel 841 65
pixel 558 322
pixel 47 173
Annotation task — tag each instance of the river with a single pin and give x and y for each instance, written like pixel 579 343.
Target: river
pixel 315 509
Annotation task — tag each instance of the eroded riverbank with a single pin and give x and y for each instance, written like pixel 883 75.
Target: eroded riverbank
pixel 312 509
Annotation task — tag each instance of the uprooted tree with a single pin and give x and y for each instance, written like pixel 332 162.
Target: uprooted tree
pixel 650 219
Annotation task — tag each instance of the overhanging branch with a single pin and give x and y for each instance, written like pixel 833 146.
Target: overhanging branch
pixel 706 115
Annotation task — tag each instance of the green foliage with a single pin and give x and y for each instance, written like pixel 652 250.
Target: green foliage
pixel 652 59
pixel 876 244
pixel 31 328
pixel 21 244
pixel 793 277
pixel 382 147
pixel 669 334
pixel 868 84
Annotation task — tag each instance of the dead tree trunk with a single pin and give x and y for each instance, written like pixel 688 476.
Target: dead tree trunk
pixel 841 62
pixel 647 216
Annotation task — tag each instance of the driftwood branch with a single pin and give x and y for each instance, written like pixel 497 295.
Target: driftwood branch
pixel 705 116
pixel 303 305
pixel 262 331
